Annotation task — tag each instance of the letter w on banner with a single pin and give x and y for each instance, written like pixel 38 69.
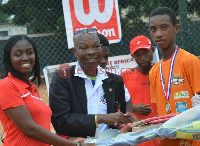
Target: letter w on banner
pixel 100 14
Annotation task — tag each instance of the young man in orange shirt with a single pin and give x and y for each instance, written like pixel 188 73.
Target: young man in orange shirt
pixel 137 80
pixel 175 79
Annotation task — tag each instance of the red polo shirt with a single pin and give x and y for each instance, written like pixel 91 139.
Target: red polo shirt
pixel 14 93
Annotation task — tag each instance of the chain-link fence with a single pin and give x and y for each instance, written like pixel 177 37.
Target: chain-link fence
pixel 43 21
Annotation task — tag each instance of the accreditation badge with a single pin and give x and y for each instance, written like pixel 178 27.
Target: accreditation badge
pixel 181 107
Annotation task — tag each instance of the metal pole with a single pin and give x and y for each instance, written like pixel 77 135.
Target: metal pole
pixel 185 27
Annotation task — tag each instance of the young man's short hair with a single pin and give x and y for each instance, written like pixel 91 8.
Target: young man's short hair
pixel 165 11
pixel 103 40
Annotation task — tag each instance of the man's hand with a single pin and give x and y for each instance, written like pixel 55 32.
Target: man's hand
pixel 114 119
pixel 142 109
pixel 131 118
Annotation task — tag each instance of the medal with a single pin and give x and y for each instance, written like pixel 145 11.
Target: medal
pixel 168 107
pixel 167 91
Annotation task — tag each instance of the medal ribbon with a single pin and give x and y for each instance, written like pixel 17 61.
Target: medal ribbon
pixel 167 93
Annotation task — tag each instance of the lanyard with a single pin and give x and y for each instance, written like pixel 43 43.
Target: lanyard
pixel 167 92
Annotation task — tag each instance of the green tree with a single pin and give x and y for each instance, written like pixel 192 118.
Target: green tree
pixel 38 15
pixel 137 11
pixel 193 6
pixel 4 18
pixel 42 16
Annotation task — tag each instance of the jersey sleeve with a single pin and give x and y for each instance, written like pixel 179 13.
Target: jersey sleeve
pixel 152 88
pixel 10 96
pixel 192 69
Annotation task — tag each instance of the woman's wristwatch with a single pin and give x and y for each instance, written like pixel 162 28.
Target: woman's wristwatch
pixel 78 143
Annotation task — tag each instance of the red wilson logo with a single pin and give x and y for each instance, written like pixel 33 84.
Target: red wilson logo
pixel 100 14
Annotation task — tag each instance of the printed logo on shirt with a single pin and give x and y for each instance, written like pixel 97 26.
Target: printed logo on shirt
pixel 145 83
pixel 182 94
pixel 103 99
pixel 36 97
pixel 177 80
pixel 185 143
pixel 181 107
pixel 25 95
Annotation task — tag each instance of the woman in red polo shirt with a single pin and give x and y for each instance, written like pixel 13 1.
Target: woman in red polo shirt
pixel 23 114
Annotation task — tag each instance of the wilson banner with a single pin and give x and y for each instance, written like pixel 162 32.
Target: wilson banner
pixel 100 14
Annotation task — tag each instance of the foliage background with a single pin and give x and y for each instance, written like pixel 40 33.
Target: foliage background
pixel 44 22
pixel 45 18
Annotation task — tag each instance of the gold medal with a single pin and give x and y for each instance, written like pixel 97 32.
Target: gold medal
pixel 168 107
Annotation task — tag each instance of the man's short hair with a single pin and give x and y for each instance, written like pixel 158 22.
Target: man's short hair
pixel 103 40
pixel 165 11
pixel 85 32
